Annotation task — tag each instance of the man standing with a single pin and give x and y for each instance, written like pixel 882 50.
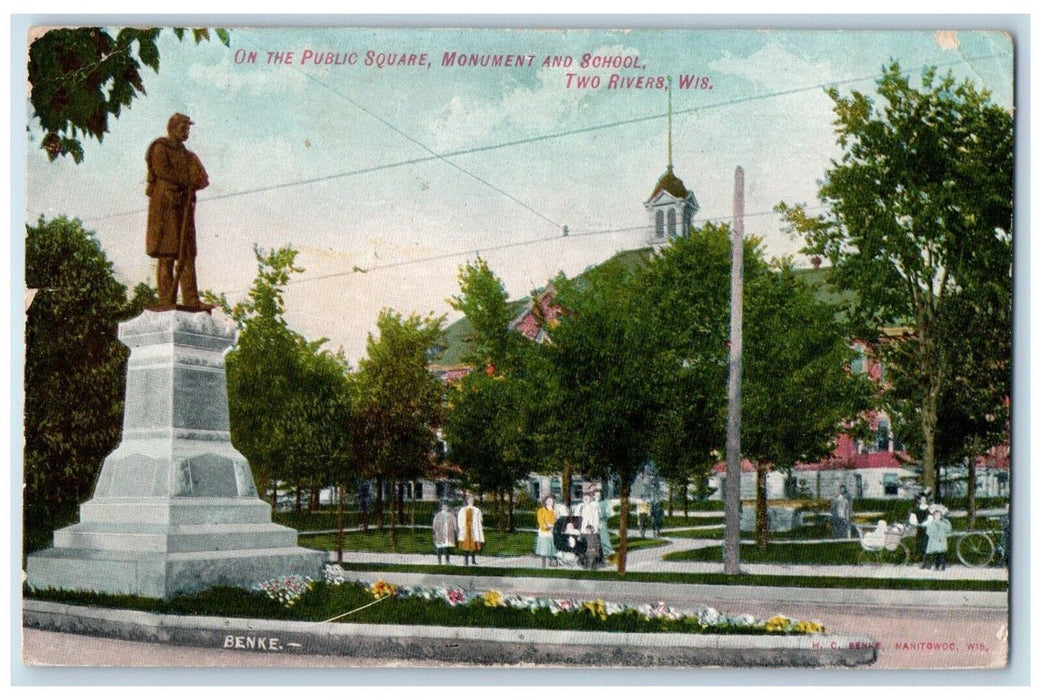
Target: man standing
pixel 444 528
pixel 471 531
pixel 840 514
pixel 175 174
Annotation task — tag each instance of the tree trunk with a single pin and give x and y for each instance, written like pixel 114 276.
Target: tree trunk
pixel 396 492
pixel 379 503
pixel 623 525
pixel 339 526
pixel 363 505
pixel 312 504
pixel 672 490
pixel 686 502
pixel 970 491
pixel 274 496
pixel 565 486
pixel 929 421
pixel 762 523
pixel 509 496
pixel 401 502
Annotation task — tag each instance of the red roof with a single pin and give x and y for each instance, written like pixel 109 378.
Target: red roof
pixel 671 184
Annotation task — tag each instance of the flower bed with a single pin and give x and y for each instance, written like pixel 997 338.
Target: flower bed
pixel 457 606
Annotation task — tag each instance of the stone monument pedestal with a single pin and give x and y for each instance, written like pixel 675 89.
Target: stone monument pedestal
pixel 175 509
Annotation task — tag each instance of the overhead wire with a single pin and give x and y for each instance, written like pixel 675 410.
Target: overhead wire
pixel 444 157
pixel 517 142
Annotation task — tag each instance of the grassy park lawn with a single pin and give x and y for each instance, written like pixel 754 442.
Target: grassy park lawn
pixel 419 542
pixel 780 553
pixel 711 533
pixel 708 579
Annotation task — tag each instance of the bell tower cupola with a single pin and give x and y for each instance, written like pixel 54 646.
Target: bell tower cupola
pixel 671 205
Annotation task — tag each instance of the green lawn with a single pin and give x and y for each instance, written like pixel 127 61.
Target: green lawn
pixel 327 519
pixel 780 553
pixel 420 542
pixel 714 533
pixel 720 579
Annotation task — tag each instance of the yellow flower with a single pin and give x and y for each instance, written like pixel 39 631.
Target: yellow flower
pixel 595 608
pixel 809 627
pixel 493 599
pixel 777 623
pixel 382 589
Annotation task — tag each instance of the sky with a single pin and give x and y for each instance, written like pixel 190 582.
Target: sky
pixel 387 179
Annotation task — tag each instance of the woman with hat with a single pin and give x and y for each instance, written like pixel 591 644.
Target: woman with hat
pixel 938 528
pixel 546 516
pixel 918 517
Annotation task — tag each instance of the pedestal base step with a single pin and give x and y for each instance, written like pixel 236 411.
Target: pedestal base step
pixel 166 574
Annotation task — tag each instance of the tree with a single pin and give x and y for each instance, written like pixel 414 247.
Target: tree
pixel 497 412
pixel 688 294
pixel 289 400
pixel 973 407
pixel 80 76
pixel 798 392
pixel 611 378
pixel 399 403
pixel 919 208
pixel 261 369
pixel 75 367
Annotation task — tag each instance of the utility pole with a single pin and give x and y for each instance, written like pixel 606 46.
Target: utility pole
pixel 732 488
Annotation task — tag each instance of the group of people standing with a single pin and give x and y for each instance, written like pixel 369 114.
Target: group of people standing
pixel 463 529
pixel 928 518
pixel 591 538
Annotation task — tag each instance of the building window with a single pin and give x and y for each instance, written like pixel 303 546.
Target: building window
pixel 859 364
pixel 659 223
pixel 672 223
pixel 891 484
pixel 418 491
pixel 882 436
pixel 554 487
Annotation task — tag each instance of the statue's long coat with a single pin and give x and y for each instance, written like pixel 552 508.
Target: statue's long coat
pixel 173 171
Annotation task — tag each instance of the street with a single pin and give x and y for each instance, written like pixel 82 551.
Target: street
pixel 909 638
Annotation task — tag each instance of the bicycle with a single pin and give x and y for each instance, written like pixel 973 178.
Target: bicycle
pixel 979 548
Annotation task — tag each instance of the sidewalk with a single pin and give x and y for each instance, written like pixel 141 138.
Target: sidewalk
pixel 650 560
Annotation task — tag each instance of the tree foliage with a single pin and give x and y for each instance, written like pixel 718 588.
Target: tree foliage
pixel 497 422
pixel 688 295
pixel 797 392
pixel 289 400
pixel 612 378
pixel 75 367
pixel 80 76
pixel 918 220
pixel 399 404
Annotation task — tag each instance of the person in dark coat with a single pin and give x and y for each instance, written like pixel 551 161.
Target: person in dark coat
pixel 175 174
pixel 918 517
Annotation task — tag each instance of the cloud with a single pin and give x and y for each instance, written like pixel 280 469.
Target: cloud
pixel 522 110
pixel 774 68
pixel 231 80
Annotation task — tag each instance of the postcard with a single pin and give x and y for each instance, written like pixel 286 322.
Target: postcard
pixel 518 347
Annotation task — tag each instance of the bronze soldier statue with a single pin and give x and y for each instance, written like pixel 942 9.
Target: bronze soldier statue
pixel 175 174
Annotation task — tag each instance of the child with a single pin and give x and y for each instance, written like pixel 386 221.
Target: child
pixel 592 546
pixel 876 539
pixel 937 529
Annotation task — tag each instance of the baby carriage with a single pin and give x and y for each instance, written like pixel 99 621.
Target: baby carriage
pixel 575 547
pixel 883 545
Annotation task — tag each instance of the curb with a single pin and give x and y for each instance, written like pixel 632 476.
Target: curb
pixel 463 645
